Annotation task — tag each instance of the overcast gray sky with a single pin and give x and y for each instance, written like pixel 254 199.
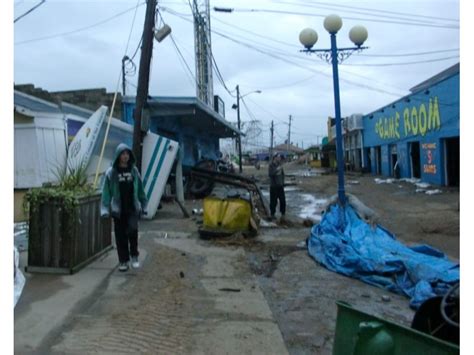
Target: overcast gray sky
pixel 69 45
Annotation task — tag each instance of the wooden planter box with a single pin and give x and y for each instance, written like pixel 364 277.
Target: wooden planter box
pixel 62 242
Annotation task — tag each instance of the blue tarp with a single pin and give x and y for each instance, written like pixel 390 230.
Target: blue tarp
pixel 344 243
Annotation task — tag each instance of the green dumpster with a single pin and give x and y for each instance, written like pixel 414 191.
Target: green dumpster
pixel 359 333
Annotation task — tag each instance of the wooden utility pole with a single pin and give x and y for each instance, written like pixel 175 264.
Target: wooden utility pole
pixel 238 126
pixel 143 80
pixel 289 136
pixel 271 143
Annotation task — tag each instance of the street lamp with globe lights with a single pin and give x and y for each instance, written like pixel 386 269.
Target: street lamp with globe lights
pixel 308 37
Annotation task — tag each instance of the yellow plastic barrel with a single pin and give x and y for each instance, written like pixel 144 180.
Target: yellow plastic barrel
pixel 230 214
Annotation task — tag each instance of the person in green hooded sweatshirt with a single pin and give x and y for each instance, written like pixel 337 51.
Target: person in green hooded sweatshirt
pixel 124 199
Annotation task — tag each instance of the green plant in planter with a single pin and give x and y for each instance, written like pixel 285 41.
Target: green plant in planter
pixel 65 228
pixel 72 185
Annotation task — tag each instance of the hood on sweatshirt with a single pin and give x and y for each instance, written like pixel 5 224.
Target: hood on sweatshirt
pixel 120 148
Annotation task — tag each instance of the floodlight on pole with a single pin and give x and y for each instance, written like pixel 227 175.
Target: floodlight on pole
pixel 162 33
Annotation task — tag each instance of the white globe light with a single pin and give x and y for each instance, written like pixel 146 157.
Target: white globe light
pixel 308 37
pixel 358 35
pixel 332 23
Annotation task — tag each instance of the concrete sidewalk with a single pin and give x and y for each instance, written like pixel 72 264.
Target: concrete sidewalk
pixel 48 300
pixel 189 296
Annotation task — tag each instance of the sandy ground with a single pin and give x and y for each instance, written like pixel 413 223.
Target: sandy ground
pixel 413 217
pixel 301 293
pixel 237 295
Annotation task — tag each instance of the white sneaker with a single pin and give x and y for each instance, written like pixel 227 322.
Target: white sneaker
pixel 123 267
pixel 135 263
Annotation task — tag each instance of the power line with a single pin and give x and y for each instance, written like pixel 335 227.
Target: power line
pixel 350 73
pixel 347 18
pixel 251 115
pixel 301 66
pixel 405 63
pixel 183 61
pixel 30 10
pixel 383 11
pixel 255 34
pixel 289 84
pixel 191 76
pixel 138 47
pixel 131 28
pixel 262 45
pixel 369 12
pixel 278 52
pixel 367 55
pixel 265 110
pixel 410 54
pixel 79 29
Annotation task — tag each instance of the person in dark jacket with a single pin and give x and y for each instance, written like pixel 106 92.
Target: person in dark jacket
pixel 123 199
pixel 277 183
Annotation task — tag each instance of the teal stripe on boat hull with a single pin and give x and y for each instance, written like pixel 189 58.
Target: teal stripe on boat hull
pixel 158 168
pixel 152 160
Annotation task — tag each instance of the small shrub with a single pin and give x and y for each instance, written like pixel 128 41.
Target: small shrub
pixel 72 184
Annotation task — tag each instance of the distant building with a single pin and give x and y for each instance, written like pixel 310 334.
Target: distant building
pixel 289 151
pixel 352 128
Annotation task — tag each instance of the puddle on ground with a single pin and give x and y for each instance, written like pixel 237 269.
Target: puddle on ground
pixel 306 172
pixel 312 207
pixel 300 204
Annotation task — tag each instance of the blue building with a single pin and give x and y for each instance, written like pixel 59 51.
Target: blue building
pixel 418 135
pixel 194 125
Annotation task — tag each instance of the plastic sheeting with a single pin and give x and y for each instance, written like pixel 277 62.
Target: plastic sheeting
pixel 344 243
pixel 19 278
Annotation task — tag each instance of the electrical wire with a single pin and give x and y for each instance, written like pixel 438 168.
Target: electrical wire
pixel 382 64
pixel 184 64
pixel 278 52
pixel 214 18
pixel 79 29
pixel 133 24
pixel 381 11
pixel 298 65
pixel 190 76
pixel 261 45
pixel 405 63
pixel 410 54
pixel 30 10
pixel 347 18
pixel 138 47
pixel 251 115
pixel 278 120
pixel 364 11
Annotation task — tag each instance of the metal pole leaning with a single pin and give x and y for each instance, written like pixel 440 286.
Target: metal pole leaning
pixel 337 104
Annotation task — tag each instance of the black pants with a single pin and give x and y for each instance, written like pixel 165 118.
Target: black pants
pixel 277 193
pixel 126 233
